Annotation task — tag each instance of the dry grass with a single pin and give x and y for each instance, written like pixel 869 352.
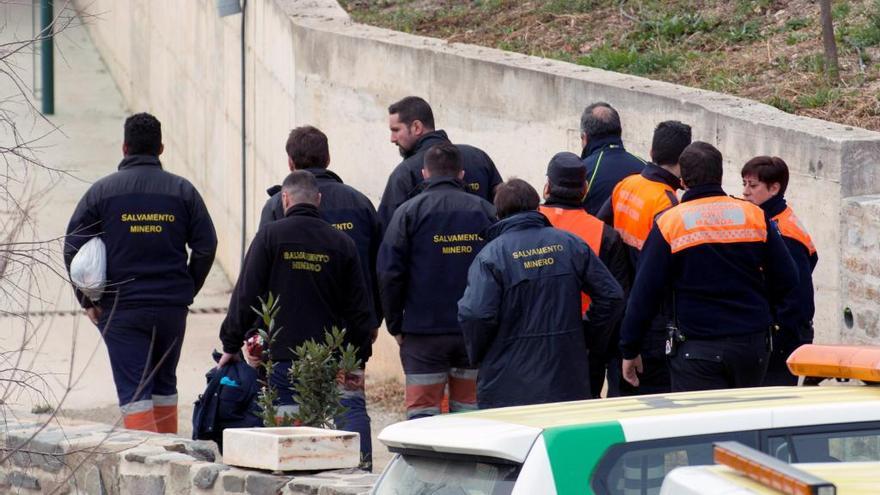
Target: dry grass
pixel 766 50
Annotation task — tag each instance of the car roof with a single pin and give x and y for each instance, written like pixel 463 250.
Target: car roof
pixel 850 478
pixel 509 432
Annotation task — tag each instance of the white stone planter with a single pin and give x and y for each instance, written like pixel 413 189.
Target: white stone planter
pixel 290 448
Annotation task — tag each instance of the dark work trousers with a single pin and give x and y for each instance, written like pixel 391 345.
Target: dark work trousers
pixel 727 362
pixel 429 363
pixel 355 418
pixel 785 341
pixel 144 347
pixel 602 361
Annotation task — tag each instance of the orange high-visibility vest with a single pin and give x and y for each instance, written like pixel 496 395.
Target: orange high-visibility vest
pixel 790 226
pixel 636 201
pixel 713 220
pixel 580 223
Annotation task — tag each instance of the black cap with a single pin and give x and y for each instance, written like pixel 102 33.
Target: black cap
pixel 566 170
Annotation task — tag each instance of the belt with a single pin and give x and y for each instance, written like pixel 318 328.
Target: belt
pixel 729 338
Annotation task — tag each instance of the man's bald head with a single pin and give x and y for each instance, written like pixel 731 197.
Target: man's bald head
pixel 600 120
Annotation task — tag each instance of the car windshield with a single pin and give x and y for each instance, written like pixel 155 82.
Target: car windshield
pixel 420 475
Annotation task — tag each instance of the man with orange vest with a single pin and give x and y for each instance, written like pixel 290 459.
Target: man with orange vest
pixel 765 180
pixel 563 206
pixel 631 209
pixel 726 265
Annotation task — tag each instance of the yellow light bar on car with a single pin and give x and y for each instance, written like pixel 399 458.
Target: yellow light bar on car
pixel 770 471
pixel 836 361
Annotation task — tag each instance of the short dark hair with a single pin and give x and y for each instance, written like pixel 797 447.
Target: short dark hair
pixel 443 160
pixel 769 170
pixel 143 134
pixel 515 196
pixel 301 187
pixel 307 147
pixel 564 193
pixel 413 108
pixel 600 120
pixel 701 164
pixel 670 139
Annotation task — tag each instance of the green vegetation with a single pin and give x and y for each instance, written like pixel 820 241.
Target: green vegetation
pixel 819 98
pixel 630 60
pixel 316 372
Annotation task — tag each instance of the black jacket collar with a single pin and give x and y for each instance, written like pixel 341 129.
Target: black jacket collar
pixel 428 140
pixel 774 206
pixel 520 221
pixel 656 173
pixel 606 142
pixel 564 204
pixel 139 161
pixel 704 191
pixel 443 183
pixel 302 210
pixel 319 173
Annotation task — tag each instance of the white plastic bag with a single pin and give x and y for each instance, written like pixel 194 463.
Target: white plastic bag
pixel 88 270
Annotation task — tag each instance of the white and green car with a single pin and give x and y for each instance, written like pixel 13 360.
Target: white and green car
pixel 624 446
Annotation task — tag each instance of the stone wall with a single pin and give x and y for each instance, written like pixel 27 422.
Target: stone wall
pixel 96 459
pixel 307 63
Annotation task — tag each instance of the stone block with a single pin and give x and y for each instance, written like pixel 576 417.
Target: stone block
pixel 140 455
pixel 206 475
pixel 233 482
pixel 142 485
pixel 264 484
pixel 291 448
pixel 93 483
pixel 203 450
pixel 169 457
pixel 179 479
pixel 21 480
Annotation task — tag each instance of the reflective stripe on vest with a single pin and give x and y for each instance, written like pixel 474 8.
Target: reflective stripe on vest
pixel 580 223
pixel 713 220
pixel 635 202
pixel 791 227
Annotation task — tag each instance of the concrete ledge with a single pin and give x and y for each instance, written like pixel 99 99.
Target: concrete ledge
pixel 96 459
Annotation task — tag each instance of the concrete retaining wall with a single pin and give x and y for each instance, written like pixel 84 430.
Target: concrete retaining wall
pixel 307 63
pixel 96 459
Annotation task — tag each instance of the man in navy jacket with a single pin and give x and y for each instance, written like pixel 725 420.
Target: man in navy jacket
pixel 423 263
pixel 342 206
pixel 521 313
pixel 313 268
pixel 146 217
pixel 411 121
pixel 606 159
pixel 726 266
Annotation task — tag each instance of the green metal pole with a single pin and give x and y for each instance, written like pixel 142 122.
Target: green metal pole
pixel 47 56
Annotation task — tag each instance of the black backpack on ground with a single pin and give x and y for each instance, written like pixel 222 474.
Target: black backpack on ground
pixel 229 401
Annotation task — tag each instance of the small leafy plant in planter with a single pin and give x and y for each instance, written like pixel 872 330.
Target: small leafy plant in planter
pixel 315 374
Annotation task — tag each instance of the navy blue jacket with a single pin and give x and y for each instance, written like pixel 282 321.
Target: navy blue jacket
pixel 480 175
pixel 607 163
pixel 314 269
pixel 521 312
pixel 718 289
pixel 794 313
pixel 146 218
pixel 425 255
pixel 347 209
